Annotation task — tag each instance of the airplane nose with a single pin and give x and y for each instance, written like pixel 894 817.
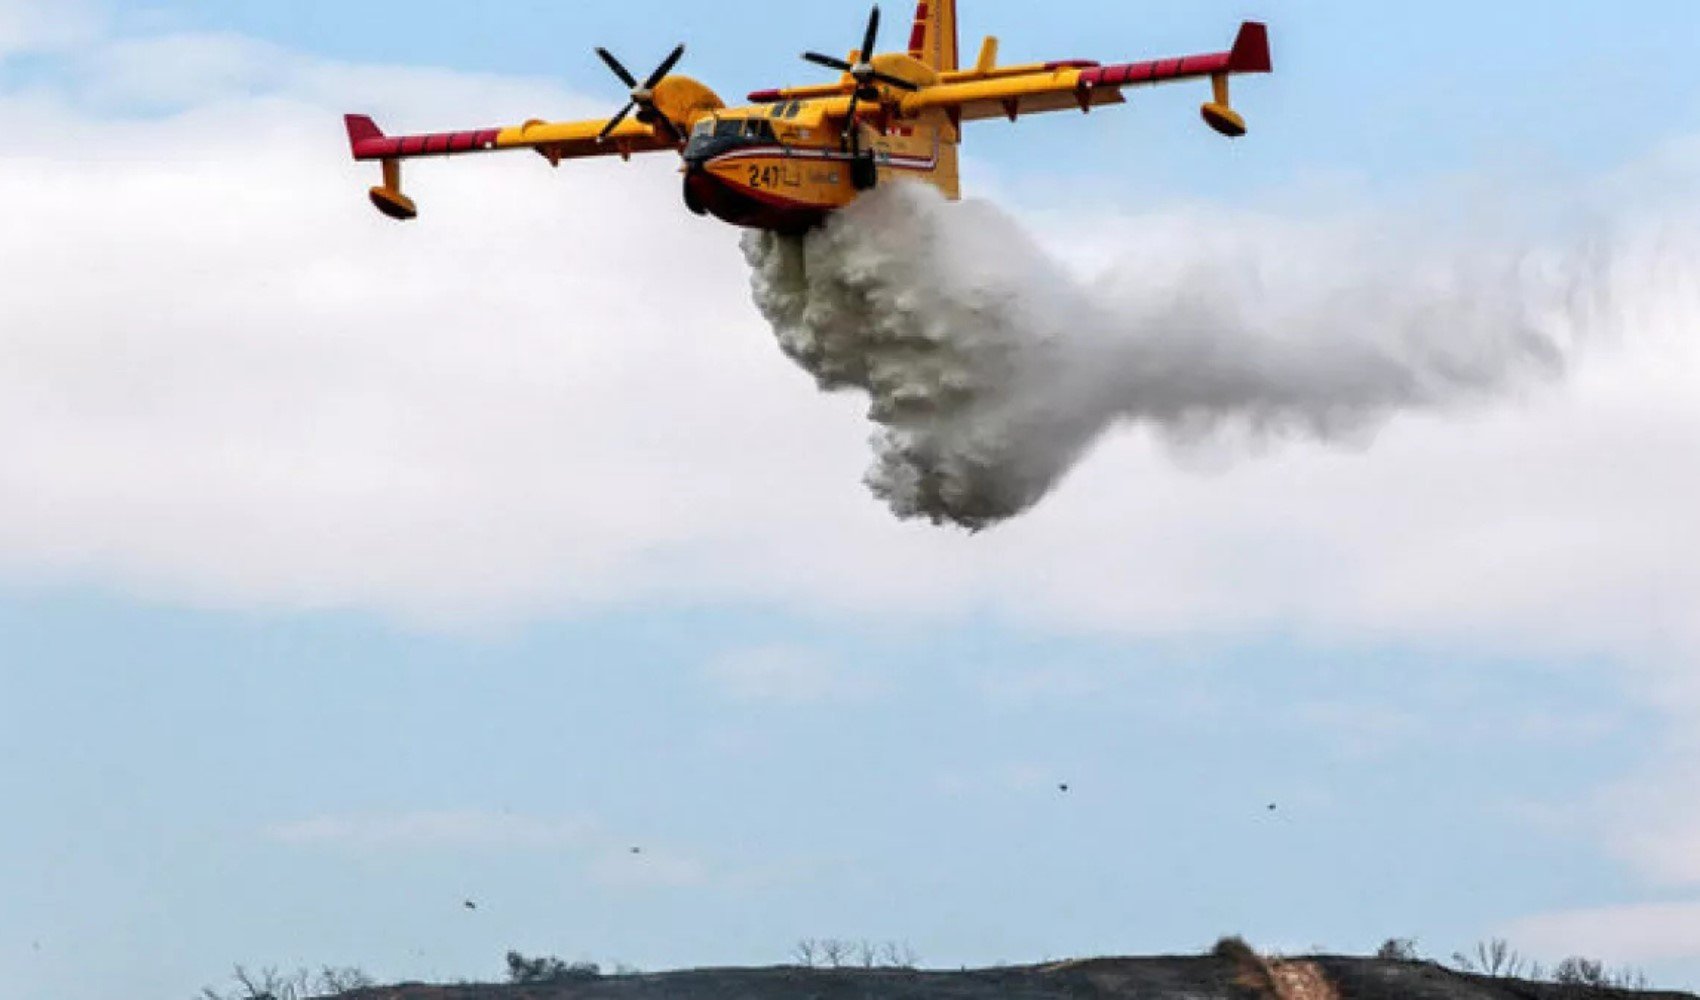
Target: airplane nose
pixel 698 185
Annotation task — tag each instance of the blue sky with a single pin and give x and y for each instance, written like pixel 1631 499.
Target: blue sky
pixel 923 808
pixel 267 700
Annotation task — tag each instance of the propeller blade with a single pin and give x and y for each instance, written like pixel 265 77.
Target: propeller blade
pixel 828 61
pixel 608 129
pixel 892 81
pixel 665 68
pixel 619 70
pixel 873 35
pixel 851 131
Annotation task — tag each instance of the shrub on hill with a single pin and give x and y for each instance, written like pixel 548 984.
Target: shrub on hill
pixel 548 969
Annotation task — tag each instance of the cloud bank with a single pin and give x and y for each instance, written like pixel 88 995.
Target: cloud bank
pixel 223 380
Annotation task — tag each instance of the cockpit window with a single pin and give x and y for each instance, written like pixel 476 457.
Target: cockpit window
pixel 759 129
pixel 792 109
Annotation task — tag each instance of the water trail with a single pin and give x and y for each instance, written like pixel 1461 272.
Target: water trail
pixel 992 369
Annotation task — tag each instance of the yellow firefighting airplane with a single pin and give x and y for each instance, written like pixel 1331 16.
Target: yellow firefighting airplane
pixel 795 155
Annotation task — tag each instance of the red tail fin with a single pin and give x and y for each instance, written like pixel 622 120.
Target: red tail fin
pixel 934 40
pixel 1251 50
pixel 361 129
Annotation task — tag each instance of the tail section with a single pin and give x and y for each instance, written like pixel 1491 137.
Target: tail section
pixel 934 40
pixel 361 132
pixel 370 143
pixel 1251 50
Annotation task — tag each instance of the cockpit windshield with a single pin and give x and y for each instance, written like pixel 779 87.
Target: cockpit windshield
pixel 715 135
pixel 734 128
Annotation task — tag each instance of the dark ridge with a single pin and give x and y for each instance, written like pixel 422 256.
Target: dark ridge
pixel 1375 979
pixel 1195 978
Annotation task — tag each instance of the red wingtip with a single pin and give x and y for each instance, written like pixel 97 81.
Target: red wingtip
pixel 1251 50
pixel 361 129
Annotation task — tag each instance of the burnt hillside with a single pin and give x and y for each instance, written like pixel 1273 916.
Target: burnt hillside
pixel 1200 978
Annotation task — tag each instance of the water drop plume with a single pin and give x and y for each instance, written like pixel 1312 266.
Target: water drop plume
pixel 992 368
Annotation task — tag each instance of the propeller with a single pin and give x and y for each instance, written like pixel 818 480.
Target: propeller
pixel 642 94
pixel 864 73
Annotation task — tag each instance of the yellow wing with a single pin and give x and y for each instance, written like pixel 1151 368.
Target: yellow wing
pixel 555 140
pixel 988 91
pixel 676 104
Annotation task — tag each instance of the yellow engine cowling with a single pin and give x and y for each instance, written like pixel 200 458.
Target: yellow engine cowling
pixel 906 67
pixel 685 101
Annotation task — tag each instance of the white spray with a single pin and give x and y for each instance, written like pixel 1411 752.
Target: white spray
pixel 992 370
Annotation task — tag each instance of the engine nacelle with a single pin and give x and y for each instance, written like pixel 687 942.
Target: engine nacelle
pixel 387 197
pixel 1219 114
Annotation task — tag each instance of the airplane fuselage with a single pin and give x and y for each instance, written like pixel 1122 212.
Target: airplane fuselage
pixel 775 167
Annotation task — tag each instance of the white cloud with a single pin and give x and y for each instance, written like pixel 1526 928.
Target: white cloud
pixel 231 382
pixel 1648 932
pixel 789 675
pixel 45 25
pixel 183 69
pixel 435 831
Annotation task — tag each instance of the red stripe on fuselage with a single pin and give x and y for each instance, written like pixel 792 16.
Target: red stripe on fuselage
pixel 772 152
